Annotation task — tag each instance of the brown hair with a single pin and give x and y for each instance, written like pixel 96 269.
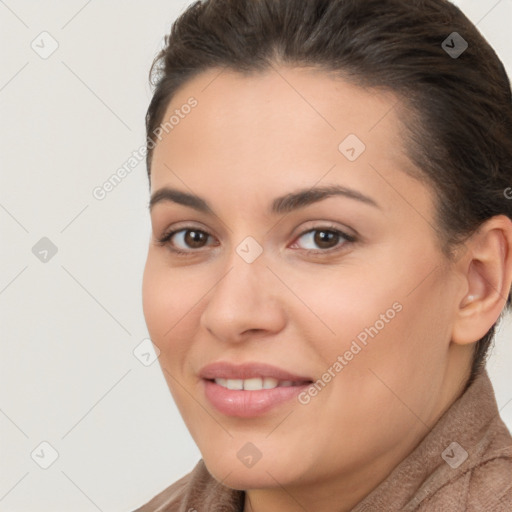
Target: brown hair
pixel 458 127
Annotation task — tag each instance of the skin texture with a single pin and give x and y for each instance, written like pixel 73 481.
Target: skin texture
pixel 249 140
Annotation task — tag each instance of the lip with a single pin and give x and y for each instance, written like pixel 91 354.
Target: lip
pixel 226 370
pixel 247 404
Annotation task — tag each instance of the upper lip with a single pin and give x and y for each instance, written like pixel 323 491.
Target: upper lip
pixel 226 370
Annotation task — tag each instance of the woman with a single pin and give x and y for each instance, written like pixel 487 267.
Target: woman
pixel 331 252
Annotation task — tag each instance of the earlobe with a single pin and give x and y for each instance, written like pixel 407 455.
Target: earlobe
pixel 487 272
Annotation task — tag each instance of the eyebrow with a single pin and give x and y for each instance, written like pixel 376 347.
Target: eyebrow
pixel 283 204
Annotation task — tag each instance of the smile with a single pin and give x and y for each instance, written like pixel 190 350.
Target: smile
pixel 256 383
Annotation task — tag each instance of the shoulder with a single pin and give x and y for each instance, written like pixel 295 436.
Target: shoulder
pixel 489 481
pixel 486 482
pixel 195 491
pixel 170 498
pixel 490 485
pixel 485 488
pixel 464 464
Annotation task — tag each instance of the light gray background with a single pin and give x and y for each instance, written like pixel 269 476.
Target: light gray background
pixel 69 326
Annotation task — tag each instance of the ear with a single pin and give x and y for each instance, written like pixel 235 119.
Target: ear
pixel 486 268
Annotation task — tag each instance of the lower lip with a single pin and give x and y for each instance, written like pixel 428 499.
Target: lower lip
pixel 247 404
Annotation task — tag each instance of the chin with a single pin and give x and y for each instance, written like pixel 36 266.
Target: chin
pixel 235 475
pixel 251 459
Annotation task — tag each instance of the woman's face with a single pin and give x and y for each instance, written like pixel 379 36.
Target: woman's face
pixel 365 318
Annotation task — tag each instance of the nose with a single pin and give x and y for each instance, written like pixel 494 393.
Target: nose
pixel 245 301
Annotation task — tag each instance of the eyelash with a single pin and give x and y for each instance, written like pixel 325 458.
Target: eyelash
pixel 166 237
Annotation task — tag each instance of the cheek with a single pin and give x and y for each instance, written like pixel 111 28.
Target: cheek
pixel 379 317
pixel 171 305
pixel 154 299
pixel 346 304
pixel 165 299
pixel 401 353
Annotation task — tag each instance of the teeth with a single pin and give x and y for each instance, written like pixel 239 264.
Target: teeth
pixel 235 384
pixel 270 383
pixel 254 384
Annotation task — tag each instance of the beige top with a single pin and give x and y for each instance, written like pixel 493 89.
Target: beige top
pixel 435 477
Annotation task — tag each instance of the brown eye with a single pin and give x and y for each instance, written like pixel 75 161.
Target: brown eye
pixel 194 238
pixel 323 240
pixel 184 240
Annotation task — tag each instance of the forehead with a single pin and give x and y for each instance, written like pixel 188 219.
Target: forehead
pixel 268 130
pixel 266 104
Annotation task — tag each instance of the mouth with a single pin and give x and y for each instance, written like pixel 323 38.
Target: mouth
pixel 250 372
pixel 257 383
pixel 250 389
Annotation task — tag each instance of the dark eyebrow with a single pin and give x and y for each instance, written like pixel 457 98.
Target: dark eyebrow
pixel 307 196
pixel 179 197
pixel 283 204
